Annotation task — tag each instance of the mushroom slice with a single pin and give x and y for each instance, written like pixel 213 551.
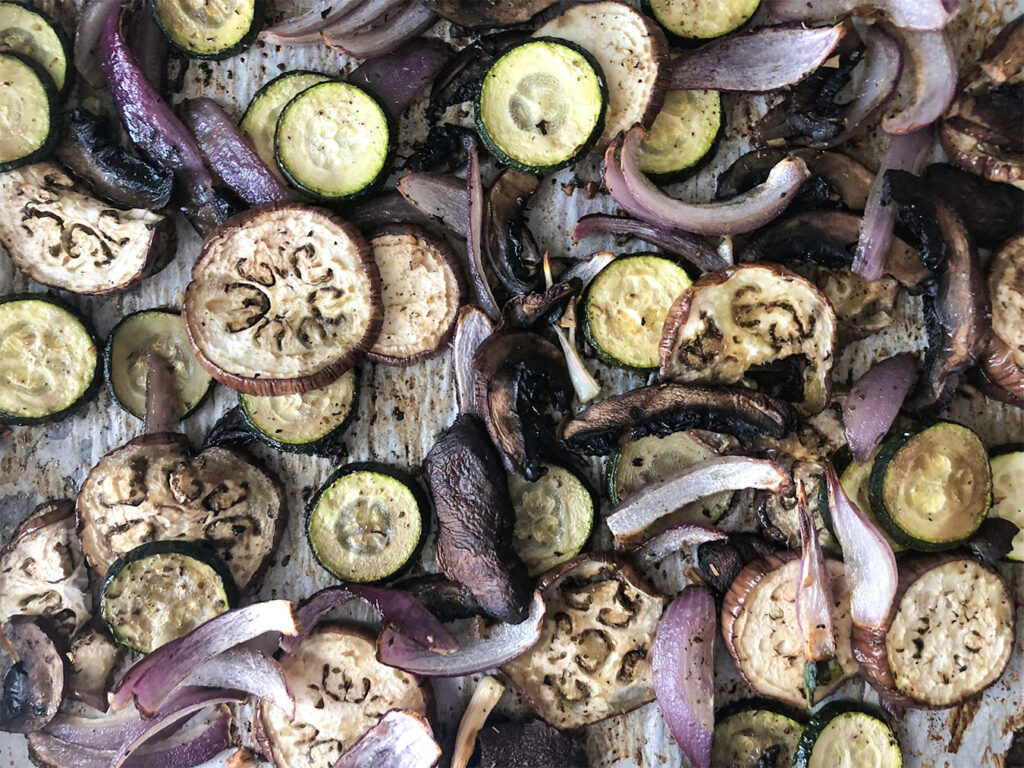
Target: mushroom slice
pixel 155 489
pixel 421 290
pixel 34 686
pixel 760 629
pixel 1006 290
pixel 534 744
pixel 746 317
pixel 65 239
pixel 283 299
pixel 43 571
pixel 94 657
pixel 341 692
pixel 666 408
pixel 592 659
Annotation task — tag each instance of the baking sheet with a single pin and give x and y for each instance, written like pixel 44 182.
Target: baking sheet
pixel 402 411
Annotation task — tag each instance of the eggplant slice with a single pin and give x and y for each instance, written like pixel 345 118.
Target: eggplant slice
pixel 155 489
pixel 341 691
pixel 283 299
pixel 488 13
pixel 34 686
pixel 43 570
pixel 65 239
pixel 1006 290
pixel 592 659
pixel 747 317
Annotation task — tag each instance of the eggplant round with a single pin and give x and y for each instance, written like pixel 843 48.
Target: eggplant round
pixel 283 299
pixel 1006 290
pixel 34 686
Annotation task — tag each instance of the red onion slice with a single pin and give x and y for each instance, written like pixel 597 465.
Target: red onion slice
pixel 305 28
pixel 869 560
pixel 103 733
pixel 230 155
pixel 151 680
pixel 930 81
pixel 908 14
pixel 673 241
pixel 874 401
pixel 764 60
pixel 676 538
pixel 733 216
pixel 906 152
pixel 398 740
pixel 631 517
pixel 814 603
pixel 407 24
pixel 149 44
pixel 88 35
pixel 682 664
pixel 397 78
pixel 502 643
pixel 471 329
pixel 440 196
pixel 475 232
pixel 248 670
pixel 1000 366
pixel 398 607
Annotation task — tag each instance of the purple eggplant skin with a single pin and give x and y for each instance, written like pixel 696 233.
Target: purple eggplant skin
pixel 475 517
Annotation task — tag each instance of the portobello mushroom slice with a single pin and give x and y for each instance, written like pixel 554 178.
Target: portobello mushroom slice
pixel 632 52
pixel 155 488
pixel 950 633
pixel 746 317
pixel 341 691
pixel 65 239
pixel 989 210
pixel 283 299
pixel 532 744
pixel 421 290
pixel 666 408
pixel 94 658
pixel 475 520
pixel 592 659
pixel 761 632
pixel 43 571
pixel 34 686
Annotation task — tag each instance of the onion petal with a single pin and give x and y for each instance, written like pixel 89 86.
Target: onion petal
pixel 632 516
pixel 396 606
pixel 475 232
pixel 408 23
pixel 230 155
pixel 930 81
pixel 88 35
pixel 675 538
pixel 500 644
pixel 814 604
pixel 584 384
pixel 440 196
pixel 682 663
pixel 248 670
pixel 471 329
pixel 397 78
pixel 305 28
pixel 735 215
pixel 1000 366
pixel 153 678
pixel 398 740
pixel 908 14
pixel 906 152
pixel 763 60
pixel 484 699
pixel 673 241
pixel 869 560
pixel 875 400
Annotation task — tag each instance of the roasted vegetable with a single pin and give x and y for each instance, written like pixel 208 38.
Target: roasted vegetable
pixel 842 730
pixel 755 733
pixel 29 102
pixel 34 685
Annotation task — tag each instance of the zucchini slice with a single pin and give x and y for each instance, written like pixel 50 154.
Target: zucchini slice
pixel 625 306
pixel 421 291
pixel 931 490
pixel 750 731
pixel 260 119
pixel 161 332
pixel 29 111
pixel 702 19
pixel 162 590
pixel 366 522
pixel 847 733
pixel 682 135
pixel 632 54
pixel 333 141
pixel 554 517
pixel 210 30
pixel 303 423
pixel 35 36
pixel 341 691
pixel 49 359
pixel 541 105
pixel 1008 496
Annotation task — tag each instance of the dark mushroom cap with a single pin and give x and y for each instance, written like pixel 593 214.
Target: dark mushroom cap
pixel 34 686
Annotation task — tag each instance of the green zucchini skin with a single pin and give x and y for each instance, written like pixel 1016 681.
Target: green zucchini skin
pixel 190 549
pixel 682 174
pixel 403 477
pixel 65 43
pixel 585 147
pixel 830 711
pixel 879 471
pixel 88 393
pixel 689 42
pixel 53 99
pixel 752 708
pixel 259 13
pixel 329 444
